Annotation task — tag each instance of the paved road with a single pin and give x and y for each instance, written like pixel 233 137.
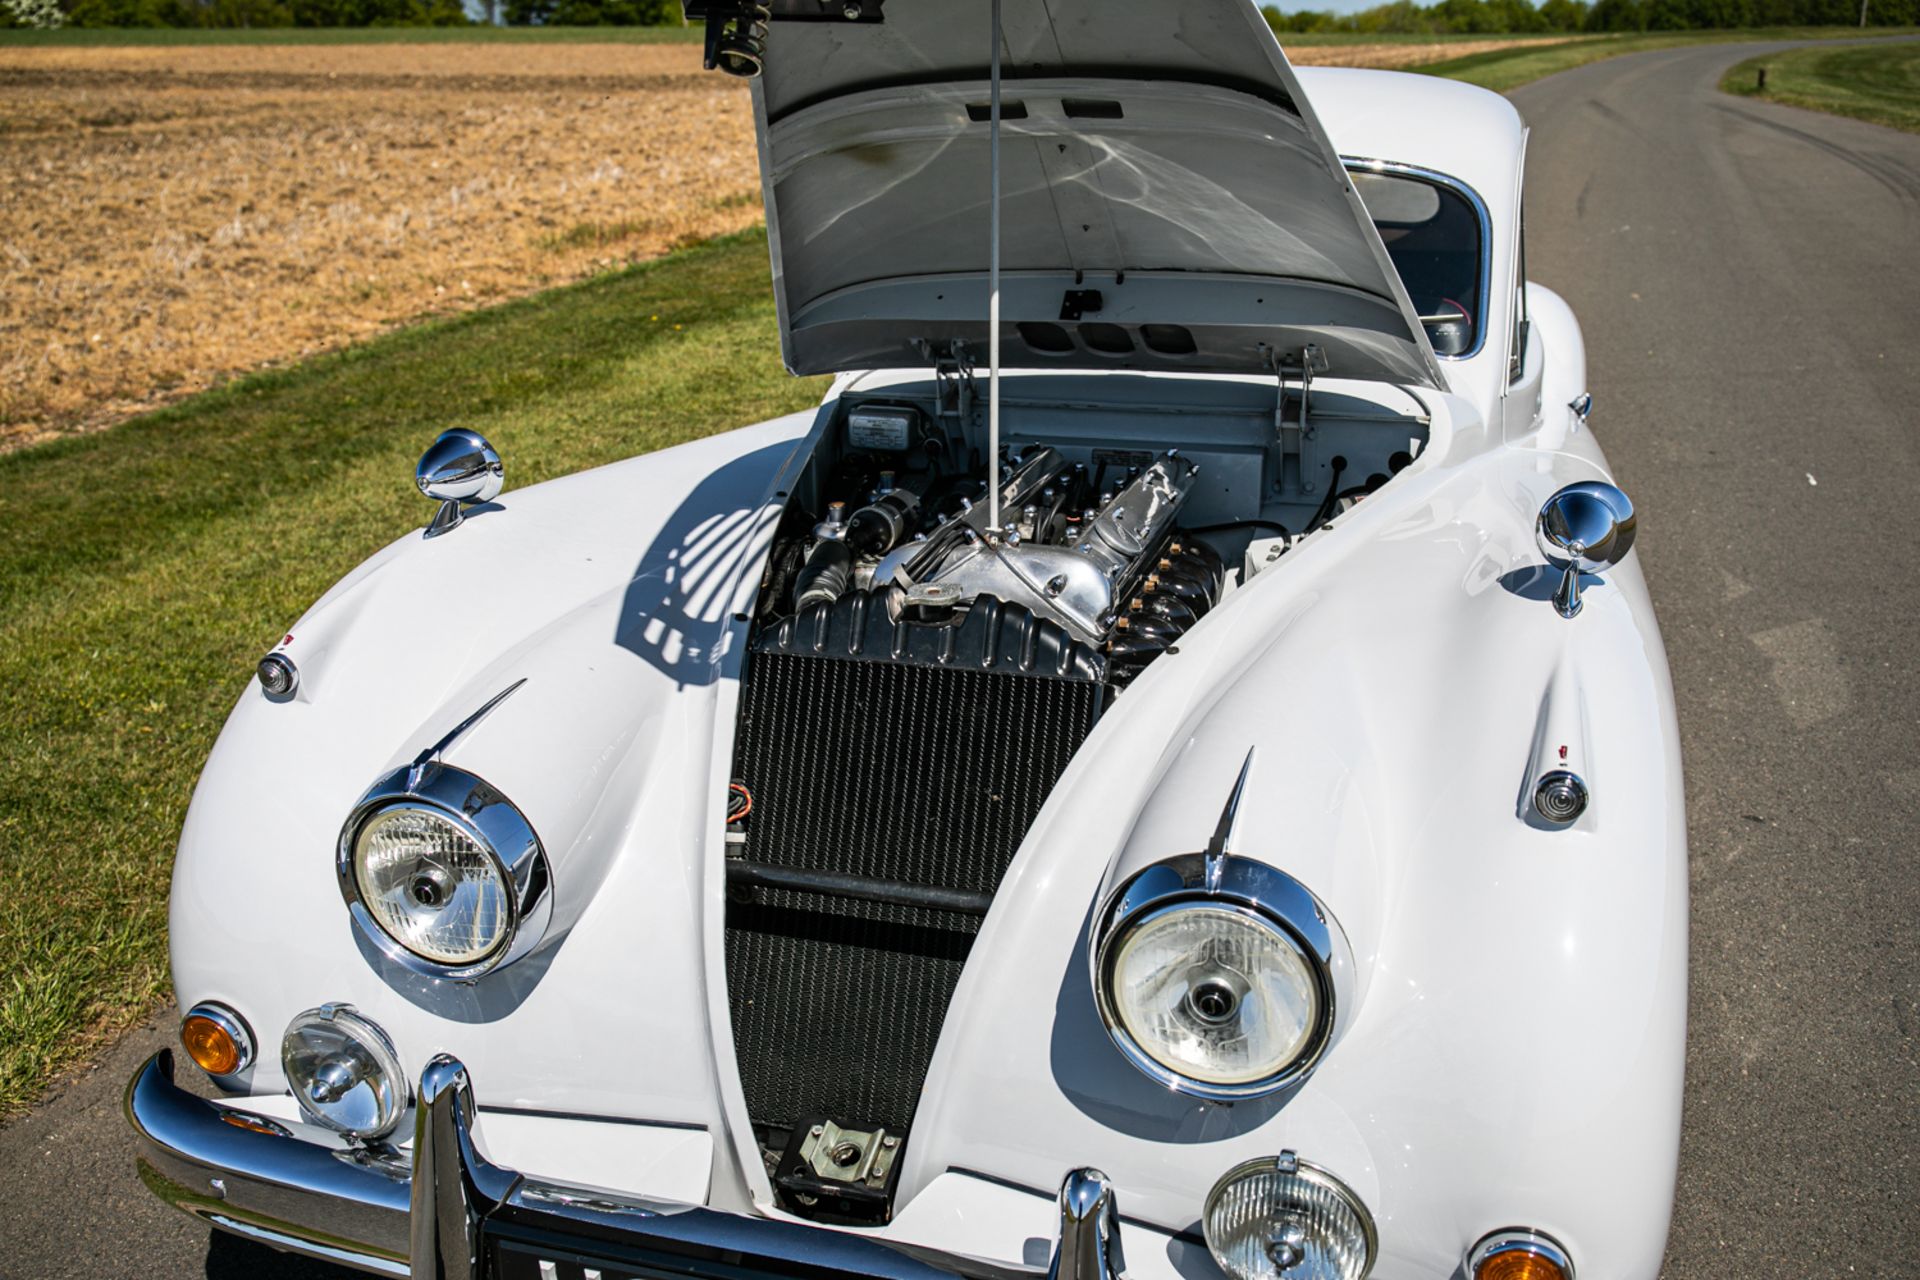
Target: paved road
pixel 1749 278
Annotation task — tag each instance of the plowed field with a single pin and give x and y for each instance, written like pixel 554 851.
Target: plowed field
pixel 173 215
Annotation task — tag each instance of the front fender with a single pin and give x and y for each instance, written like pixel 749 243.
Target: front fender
pixel 612 593
pixel 1516 1055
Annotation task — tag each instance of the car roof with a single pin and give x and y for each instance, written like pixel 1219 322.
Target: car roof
pixel 1459 129
pixel 1469 134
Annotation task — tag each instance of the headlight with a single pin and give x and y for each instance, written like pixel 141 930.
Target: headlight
pixel 1221 983
pixel 434 886
pixel 343 1071
pixel 1216 994
pixel 1286 1219
pixel 443 873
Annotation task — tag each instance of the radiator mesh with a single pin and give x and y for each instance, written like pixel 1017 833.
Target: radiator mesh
pixel 918 773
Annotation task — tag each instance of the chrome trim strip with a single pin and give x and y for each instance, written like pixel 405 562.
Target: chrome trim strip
pixel 488 818
pixel 1519 1240
pixel 1367 164
pixel 447 739
pixel 308 1248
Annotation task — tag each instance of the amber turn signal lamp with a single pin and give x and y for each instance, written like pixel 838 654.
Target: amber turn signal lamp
pixel 1519 1255
pixel 1519 1266
pixel 216 1039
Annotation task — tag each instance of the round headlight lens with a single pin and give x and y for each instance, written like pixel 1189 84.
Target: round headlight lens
pixel 1286 1219
pixel 1215 994
pixel 343 1071
pixel 432 885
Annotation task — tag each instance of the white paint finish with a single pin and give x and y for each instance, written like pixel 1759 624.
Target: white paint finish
pixel 639 1159
pixel 658 1161
pixel 573 1026
pixel 1520 1038
pixel 1514 1052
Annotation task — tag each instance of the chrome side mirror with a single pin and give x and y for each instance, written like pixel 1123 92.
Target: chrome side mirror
pixel 458 469
pixel 1584 528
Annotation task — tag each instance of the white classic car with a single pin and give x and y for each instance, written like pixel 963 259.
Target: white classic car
pixel 1204 799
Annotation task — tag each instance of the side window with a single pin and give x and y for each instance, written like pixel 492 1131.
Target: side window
pixel 1517 357
pixel 1432 232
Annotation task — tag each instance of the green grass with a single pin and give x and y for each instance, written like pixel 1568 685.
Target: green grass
pixel 91 36
pixel 1878 83
pixel 1504 69
pixel 143 570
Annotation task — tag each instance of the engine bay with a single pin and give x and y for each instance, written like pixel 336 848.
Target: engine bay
pixel 920 675
pixel 1117 531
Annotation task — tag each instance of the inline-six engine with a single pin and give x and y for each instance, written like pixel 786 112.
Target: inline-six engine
pixel 1088 560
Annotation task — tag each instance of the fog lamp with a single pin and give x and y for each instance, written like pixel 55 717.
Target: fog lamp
pixel 1519 1254
pixel 344 1072
pixel 1285 1219
pixel 217 1039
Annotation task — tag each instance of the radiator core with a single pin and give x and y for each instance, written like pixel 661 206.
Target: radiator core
pixel 922 773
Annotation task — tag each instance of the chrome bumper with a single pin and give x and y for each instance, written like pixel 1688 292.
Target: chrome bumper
pixel 452 1214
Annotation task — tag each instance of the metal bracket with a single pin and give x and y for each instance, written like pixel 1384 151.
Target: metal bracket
pixel 1293 437
pixel 447 517
pixel 952 376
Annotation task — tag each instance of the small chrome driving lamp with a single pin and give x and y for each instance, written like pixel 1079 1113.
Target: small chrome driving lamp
pixel 1584 528
pixel 457 470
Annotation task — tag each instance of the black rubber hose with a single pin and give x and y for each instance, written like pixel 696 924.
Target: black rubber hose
pixel 825 576
pixel 1325 513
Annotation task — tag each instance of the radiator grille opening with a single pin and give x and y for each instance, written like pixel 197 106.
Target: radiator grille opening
pixel 917 773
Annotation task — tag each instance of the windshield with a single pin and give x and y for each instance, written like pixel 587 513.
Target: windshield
pixel 1432 233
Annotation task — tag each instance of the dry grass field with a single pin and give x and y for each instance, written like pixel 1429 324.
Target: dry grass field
pixel 172 215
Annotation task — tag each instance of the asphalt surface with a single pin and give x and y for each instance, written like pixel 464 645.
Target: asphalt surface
pixel 1748 277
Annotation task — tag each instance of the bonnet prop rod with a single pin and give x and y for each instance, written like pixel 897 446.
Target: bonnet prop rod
pixel 993 286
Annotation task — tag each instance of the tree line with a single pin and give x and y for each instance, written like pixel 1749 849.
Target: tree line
pixel 1522 17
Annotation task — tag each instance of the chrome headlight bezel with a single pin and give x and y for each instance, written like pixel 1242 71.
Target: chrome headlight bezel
pixel 1248 887
pixel 493 823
